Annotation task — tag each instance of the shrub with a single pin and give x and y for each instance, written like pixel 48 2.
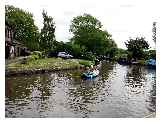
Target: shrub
pixel 115 58
pixel 37 54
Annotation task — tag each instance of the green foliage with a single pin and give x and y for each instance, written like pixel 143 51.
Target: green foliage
pixel 142 62
pixel 30 58
pixel 137 47
pixel 78 51
pixel 119 53
pixel 149 54
pixel 38 53
pixel 85 62
pixel 84 23
pixel 152 54
pixel 35 55
pixel 22 24
pixel 88 32
pixel 47 35
pixel 112 52
pixel 129 55
pixel 89 56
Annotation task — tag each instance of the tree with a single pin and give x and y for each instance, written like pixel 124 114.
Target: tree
pixel 152 54
pixel 22 24
pixel 137 47
pixel 88 32
pixel 47 35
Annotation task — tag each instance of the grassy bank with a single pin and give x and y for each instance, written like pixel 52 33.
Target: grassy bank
pixel 48 63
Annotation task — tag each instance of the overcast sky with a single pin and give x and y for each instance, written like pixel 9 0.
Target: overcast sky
pixel 121 18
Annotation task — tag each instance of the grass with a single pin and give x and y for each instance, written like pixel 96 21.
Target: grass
pixel 48 63
pixel 85 62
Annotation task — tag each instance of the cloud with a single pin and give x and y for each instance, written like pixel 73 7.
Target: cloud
pixel 127 5
pixel 69 13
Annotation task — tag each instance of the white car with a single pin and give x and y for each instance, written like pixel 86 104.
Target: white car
pixel 64 55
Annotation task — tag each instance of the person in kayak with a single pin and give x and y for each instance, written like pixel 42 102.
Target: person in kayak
pixel 89 70
pixel 94 70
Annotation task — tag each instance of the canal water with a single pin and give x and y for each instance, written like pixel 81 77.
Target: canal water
pixel 119 91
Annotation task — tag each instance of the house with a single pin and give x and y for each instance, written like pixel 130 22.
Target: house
pixel 13 48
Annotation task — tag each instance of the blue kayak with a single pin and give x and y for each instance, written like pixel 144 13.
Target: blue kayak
pixel 151 62
pixel 90 74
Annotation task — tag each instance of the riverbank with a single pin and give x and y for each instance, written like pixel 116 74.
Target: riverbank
pixel 44 65
pixel 152 115
pixel 150 62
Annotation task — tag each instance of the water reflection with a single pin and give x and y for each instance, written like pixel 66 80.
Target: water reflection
pixel 142 80
pixel 119 91
pixel 82 99
pixel 151 90
pixel 135 78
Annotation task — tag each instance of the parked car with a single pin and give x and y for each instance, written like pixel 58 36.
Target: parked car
pixel 52 54
pixel 64 55
pixel 101 57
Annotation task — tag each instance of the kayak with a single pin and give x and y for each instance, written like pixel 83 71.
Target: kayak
pixel 151 62
pixel 90 74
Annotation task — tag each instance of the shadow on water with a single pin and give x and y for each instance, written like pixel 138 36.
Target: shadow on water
pixel 119 91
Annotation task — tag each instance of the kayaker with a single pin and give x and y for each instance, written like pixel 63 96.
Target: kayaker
pixel 94 68
pixel 91 67
pixel 87 69
pixel 91 72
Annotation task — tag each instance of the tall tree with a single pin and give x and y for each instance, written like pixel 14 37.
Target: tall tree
pixel 22 24
pixel 88 31
pixel 137 47
pixel 47 36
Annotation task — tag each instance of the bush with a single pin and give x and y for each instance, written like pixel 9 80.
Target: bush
pixel 35 55
pixel 38 54
pixel 115 58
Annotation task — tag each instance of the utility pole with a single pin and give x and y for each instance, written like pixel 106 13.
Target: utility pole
pixel 154 32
